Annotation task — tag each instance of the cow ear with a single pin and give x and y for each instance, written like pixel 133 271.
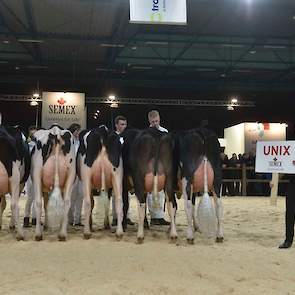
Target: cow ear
pixel 113 147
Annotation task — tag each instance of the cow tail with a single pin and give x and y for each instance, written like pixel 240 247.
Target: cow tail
pixel 56 174
pixel 55 206
pixel 205 176
pixel 156 200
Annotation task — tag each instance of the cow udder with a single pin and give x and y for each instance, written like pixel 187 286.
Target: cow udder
pixel 4 181
pixel 49 169
pixel 198 178
pixel 102 163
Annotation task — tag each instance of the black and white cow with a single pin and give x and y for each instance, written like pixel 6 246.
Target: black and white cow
pixel 100 166
pixel 193 147
pixel 54 148
pixel 14 171
pixel 148 167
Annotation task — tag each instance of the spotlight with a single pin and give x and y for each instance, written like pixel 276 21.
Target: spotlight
pixel 33 103
pixel 112 97
pixel 114 105
pixel 36 95
pixel 234 100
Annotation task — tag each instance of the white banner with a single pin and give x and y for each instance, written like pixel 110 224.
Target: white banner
pixel 63 108
pixel 158 11
pixel 275 156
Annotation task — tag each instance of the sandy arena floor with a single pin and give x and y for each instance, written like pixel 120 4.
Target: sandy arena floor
pixel 248 262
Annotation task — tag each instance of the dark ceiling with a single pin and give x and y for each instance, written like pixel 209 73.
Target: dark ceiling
pixel 229 47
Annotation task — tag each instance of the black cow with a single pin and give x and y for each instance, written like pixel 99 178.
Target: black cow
pixel 192 148
pixel 14 171
pixel 100 166
pixel 148 159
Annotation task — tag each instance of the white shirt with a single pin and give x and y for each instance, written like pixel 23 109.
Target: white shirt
pixel 121 138
pixel 162 129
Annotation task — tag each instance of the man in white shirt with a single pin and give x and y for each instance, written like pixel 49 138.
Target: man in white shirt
pixel 120 125
pixel 157 212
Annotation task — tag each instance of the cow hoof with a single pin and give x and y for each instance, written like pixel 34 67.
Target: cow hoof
pixel 38 238
pixel 62 238
pixel 173 239
pixel 140 240
pixel 119 237
pixel 20 238
pixel 26 222
pixel 87 236
pixel 219 240
pixel 190 241
pixel 107 226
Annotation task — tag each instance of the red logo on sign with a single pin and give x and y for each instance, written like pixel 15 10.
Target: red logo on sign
pixel 61 101
pixel 277 150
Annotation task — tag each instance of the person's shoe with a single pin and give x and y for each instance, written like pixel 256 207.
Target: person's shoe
pixel 78 224
pixel 114 222
pixel 129 221
pixel 159 221
pixel 286 244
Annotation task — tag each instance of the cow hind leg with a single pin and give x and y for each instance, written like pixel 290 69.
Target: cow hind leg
pixel 107 209
pixel 15 192
pixel 219 215
pixel 117 186
pixel 87 209
pixel 29 203
pixel 62 236
pixel 141 216
pixel 186 189
pixel 171 201
pixel 2 207
pixel 195 220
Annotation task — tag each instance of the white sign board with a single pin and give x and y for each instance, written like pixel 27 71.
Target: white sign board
pixel 275 156
pixel 63 108
pixel 158 11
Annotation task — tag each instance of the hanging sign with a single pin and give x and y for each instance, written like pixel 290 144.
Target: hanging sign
pixel 275 156
pixel 63 108
pixel 170 12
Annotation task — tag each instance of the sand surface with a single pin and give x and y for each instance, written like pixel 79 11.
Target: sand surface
pixel 248 262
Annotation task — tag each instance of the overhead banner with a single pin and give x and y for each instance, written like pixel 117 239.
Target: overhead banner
pixel 170 12
pixel 275 156
pixel 63 108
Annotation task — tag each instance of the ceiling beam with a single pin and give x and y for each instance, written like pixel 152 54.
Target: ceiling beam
pixel 32 28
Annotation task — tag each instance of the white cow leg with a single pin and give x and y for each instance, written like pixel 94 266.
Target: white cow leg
pixel 117 186
pixel 38 208
pixel 172 212
pixel 2 207
pixel 195 219
pixel 141 215
pixel 87 209
pixel 14 184
pixel 106 202
pixel 67 204
pixel 30 198
pixel 188 207
pixel 219 215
